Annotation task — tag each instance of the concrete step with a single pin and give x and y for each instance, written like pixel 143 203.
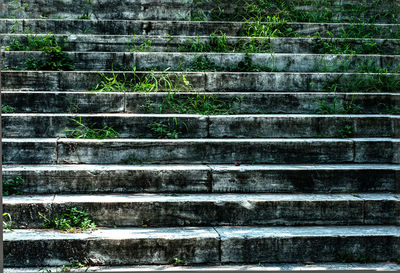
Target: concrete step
pixel 190 28
pixel 243 103
pixel 202 126
pixel 342 178
pixel 283 62
pixel 261 267
pixel 177 151
pixel 155 210
pixel 166 43
pixel 203 10
pixel 204 81
pixel 123 246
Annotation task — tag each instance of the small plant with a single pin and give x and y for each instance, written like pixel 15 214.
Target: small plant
pixel 389 109
pixel 147 83
pixel 335 107
pixel 7 109
pixel 73 220
pixel 162 130
pixel 345 132
pixel 88 132
pixel 145 46
pixel 177 262
pixel 198 104
pixel 12 186
pixel 54 60
pixel 66 268
pixel 7 224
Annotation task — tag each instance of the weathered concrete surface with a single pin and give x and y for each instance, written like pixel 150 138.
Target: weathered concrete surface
pixel 28 151
pixel 210 209
pixel 126 125
pixel 113 178
pixel 201 178
pixel 174 28
pixel 119 246
pixel 199 81
pixel 262 267
pixel 229 151
pixel 200 126
pixel 164 43
pixel 243 103
pixel 198 245
pixel 185 61
pixel 304 178
pixel 132 151
pixel 293 244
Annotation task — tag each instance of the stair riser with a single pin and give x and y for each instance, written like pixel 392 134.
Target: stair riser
pixel 234 179
pixel 158 151
pixel 164 213
pixel 274 250
pixel 105 43
pixel 206 127
pixel 170 10
pixel 185 28
pixel 246 103
pixel 200 81
pixel 161 249
pixel 181 61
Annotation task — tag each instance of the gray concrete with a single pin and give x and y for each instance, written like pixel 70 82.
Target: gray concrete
pixel 262 267
pixel 210 209
pixel 243 103
pixel 184 61
pixel 111 246
pixel 200 126
pixel 186 28
pixel 164 43
pixel 196 245
pixel 200 178
pixel 198 81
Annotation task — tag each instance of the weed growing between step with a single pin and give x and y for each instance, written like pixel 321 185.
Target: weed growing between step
pixel 147 83
pixel 7 109
pixel 53 56
pixel 177 262
pixel 89 132
pixel 66 268
pixel 72 220
pixel 377 82
pixel 202 63
pixel 388 109
pixel 345 132
pixel 167 130
pixel 319 11
pixel 13 186
pixel 331 46
pixel 220 43
pixel 328 107
pixel 7 223
pixel 197 104
pixel 134 47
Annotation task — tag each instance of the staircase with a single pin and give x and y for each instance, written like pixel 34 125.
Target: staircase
pixel 192 133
